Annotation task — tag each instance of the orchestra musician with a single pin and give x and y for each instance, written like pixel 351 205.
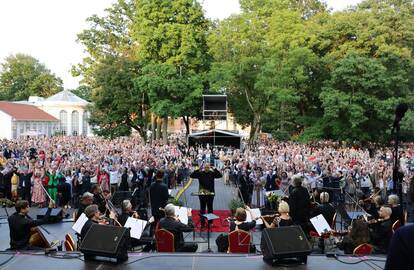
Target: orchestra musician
pixel 206 182
pixel 325 208
pixel 358 234
pixel 381 230
pixel 127 212
pixel 281 220
pixel 98 198
pixel 86 200
pixel 172 224
pixel 94 217
pixel 20 225
pixel 393 202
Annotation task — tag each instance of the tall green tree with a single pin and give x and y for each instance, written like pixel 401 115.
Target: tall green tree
pixel 172 94
pixel 367 56
pixel 22 76
pixel 173 47
pixel 260 53
pixel 107 36
pixel 119 106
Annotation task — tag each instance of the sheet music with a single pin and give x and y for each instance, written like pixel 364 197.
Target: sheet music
pixel 181 213
pixel 256 213
pixel 77 227
pixel 320 224
pixel 137 226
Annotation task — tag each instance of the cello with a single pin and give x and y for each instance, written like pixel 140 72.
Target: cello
pixel 37 239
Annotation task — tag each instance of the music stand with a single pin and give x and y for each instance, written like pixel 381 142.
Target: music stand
pixel 209 217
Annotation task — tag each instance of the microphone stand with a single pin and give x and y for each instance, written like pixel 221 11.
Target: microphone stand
pixel 397 177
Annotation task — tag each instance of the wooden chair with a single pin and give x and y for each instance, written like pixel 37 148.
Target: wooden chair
pixel 396 226
pixel 68 246
pixel 363 249
pixel 239 241
pixel 70 240
pixel 164 241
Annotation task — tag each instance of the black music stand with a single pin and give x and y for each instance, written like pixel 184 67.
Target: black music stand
pixel 209 217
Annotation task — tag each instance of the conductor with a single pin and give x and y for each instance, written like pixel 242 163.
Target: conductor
pixel 206 185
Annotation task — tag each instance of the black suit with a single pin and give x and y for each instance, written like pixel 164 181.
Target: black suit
pixel 381 235
pixel 326 210
pixel 177 228
pixel 299 203
pixel 20 229
pixel 159 198
pixel 206 182
pixel 26 180
pixel 401 249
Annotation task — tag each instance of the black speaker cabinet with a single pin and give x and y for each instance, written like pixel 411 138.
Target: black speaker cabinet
pixel 285 245
pixel 105 241
pixel 56 215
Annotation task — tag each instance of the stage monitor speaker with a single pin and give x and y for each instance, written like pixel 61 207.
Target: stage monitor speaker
pixel 105 241
pixel 56 215
pixel 285 245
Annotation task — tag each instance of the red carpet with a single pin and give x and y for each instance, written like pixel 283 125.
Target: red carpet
pixel 219 225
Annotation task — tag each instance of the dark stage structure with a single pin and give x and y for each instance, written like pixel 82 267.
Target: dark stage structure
pixel 215 137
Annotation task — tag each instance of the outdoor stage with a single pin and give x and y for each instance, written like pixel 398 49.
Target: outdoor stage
pixel 177 261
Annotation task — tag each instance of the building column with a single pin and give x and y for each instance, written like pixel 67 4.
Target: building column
pixel 69 124
pixel 81 112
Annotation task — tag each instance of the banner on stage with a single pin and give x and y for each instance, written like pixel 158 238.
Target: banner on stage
pixel 77 227
pixel 137 226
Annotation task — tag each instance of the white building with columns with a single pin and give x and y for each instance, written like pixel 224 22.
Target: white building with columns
pixel 69 109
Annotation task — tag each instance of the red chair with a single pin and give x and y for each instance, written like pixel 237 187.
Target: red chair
pixel 164 241
pixel 239 241
pixel 396 226
pixel 363 249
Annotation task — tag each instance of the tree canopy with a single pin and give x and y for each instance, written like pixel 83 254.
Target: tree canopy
pixel 22 76
pixel 291 68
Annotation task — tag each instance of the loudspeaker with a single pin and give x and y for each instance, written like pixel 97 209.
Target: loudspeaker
pixel 214 107
pixel 285 245
pixel 56 215
pixel 106 241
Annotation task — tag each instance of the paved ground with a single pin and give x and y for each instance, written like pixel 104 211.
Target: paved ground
pixel 221 201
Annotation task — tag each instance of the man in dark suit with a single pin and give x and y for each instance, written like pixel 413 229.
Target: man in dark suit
pixel 173 225
pixel 401 249
pixel 299 202
pixel 325 208
pixel 206 184
pixel 158 196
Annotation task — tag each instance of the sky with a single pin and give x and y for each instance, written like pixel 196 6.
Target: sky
pixel 47 29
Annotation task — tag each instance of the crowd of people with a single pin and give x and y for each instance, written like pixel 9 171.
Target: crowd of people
pixel 81 172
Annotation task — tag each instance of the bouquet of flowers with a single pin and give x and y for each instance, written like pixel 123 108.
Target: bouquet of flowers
pixel 273 197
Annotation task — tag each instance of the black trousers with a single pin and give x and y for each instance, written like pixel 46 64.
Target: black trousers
pixel 206 200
